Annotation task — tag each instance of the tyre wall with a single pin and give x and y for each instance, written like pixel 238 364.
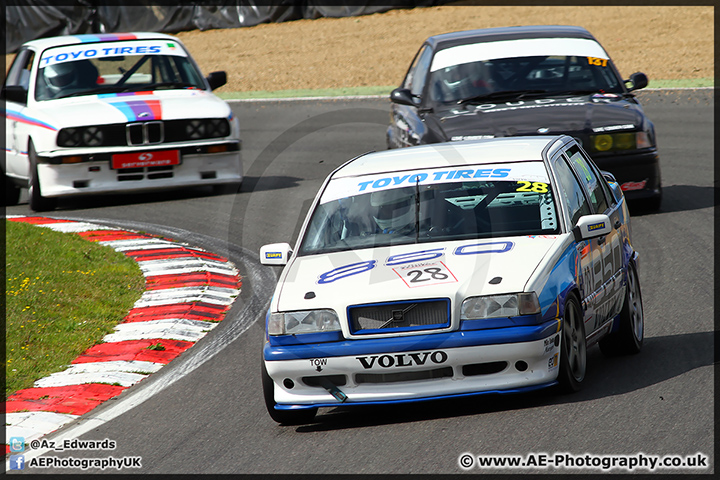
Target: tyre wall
pixel 27 20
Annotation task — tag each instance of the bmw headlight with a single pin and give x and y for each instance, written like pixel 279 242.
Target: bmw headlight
pixel 93 137
pixel 497 306
pixel 207 128
pixel 81 137
pixel 195 129
pixel 69 137
pixel 309 321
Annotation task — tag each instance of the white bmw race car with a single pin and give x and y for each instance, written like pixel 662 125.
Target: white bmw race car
pixel 113 113
pixel 448 270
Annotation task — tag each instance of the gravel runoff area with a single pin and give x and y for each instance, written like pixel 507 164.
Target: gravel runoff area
pixel 665 42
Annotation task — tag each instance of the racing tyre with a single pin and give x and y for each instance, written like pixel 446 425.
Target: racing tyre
pixel 647 205
pixel 37 202
pixel 650 205
pixel 573 350
pixel 629 337
pixel 12 191
pixel 285 417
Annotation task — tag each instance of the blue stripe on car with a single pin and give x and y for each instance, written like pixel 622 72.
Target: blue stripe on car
pixel 466 338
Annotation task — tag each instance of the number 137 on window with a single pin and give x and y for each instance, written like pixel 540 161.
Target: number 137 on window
pixel 600 62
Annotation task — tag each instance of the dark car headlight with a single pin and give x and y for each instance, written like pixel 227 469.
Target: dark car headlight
pixel 609 142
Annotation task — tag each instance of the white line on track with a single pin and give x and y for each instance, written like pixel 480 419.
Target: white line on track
pixel 366 97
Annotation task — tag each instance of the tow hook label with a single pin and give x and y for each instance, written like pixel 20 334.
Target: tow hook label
pixel 318 363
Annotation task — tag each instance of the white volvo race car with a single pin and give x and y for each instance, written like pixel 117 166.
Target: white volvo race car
pixel 448 270
pixel 113 113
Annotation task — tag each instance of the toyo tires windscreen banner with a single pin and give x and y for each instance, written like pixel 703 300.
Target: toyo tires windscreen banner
pixel 27 20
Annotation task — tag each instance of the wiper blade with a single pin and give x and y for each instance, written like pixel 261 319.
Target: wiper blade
pixel 157 86
pixel 164 85
pixel 501 94
pixel 575 92
pixel 81 93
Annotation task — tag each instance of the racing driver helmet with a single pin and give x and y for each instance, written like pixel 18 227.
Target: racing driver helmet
pixel 456 82
pixel 393 210
pixel 59 76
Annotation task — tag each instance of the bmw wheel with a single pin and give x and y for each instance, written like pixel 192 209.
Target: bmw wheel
pixel 285 417
pixel 12 191
pixel 227 188
pixel 573 350
pixel 629 337
pixel 38 203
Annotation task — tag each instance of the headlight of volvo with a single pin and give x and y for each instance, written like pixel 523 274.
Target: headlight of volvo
pixel 496 306
pixel 606 142
pixel 309 321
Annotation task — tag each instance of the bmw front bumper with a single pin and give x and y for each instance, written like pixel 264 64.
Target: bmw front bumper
pixel 97 177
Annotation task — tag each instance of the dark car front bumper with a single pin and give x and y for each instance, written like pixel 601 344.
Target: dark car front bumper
pixel 637 173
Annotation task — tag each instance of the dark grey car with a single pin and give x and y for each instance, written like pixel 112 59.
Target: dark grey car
pixel 532 80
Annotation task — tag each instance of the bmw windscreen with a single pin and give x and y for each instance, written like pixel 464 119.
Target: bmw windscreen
pixel 432 205
pixel 100 68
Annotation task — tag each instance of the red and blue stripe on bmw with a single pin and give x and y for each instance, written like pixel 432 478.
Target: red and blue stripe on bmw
pixel 135 109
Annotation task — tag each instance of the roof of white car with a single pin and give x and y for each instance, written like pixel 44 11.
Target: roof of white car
pixel 469 152
pixel 43 43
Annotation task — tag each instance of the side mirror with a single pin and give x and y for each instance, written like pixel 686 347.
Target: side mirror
pixel 15 93
pixel 613 184
pixel 217 79
pixel 638 80
pixel 608 176
pixel 275 254
pixel 403 96
pixel 591 226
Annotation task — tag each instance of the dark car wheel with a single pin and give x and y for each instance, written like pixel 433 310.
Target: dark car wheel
pixel 38 203
pixel 573 351
pixel 629 337
pixel 285 417
pixel 652 204
pixel 649 205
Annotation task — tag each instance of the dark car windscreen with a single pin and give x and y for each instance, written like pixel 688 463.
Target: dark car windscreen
pixel 521 77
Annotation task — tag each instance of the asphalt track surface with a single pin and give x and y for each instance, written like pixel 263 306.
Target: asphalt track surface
pixel 204 412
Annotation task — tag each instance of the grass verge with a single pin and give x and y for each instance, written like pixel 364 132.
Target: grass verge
pixel 322 92
pixel 385 91
pixel 64 294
